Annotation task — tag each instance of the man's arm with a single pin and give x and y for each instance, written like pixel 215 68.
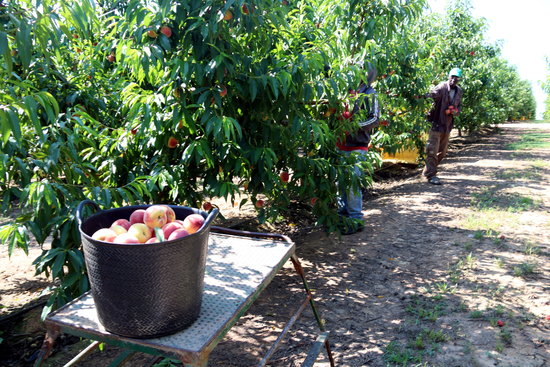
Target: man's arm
pixel 374 115
pixel 435 93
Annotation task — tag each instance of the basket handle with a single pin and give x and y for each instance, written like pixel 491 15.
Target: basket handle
pixel 81 207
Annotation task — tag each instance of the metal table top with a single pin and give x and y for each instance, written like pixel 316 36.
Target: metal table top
pixel 238 268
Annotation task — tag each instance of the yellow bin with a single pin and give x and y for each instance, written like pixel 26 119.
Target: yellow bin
pixel 404 156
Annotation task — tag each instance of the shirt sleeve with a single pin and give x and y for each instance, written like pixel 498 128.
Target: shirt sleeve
pixel 374 114
pixel 435 93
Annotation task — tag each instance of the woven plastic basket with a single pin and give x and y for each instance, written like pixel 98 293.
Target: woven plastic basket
pixel 145 290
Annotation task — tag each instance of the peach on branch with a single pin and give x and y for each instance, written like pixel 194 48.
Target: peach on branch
pixel 285 177
pixel 166 31
pixel 223 91
pixel 172 142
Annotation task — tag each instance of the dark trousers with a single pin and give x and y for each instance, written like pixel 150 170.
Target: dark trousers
pixel 436 150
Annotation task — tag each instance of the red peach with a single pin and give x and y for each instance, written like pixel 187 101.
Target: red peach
pixel 172 142
pixel 193 222
pixel 104 234
pixel 168 228
pixel 166 31
pixel 122 222
pixel 155 216
pixel 126 238
pixel 118 229
pixel 223 91
pixel 178 233
pixel 137 216
pixel 140 231
pixel 170 213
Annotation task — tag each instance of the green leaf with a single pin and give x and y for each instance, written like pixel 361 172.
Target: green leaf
pixel 5 126
pixel 252 89
pixel 57 267
pixel 32 112
pixel 24 43
pixel 106 197
pixel 274 87
pixel 5 51
pixel 83 285
pixel 13 120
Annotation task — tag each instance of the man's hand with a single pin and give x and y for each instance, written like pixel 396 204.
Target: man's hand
pixel 427 95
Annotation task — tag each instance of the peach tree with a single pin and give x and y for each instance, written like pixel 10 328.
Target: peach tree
pixel 160 101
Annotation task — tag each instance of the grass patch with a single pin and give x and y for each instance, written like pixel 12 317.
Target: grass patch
pixel 427 309
pixel 531 249
pixel 489 220
pixel 396 354
pixel 491 198
pixel 477 315
pixel 412 354
pixel 524 270
pixel 540 164
pixel 533 173
pixel 468 262
pixel 531 141
pixel 505 337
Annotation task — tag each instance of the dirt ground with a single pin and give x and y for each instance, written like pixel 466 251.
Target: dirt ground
pixel 451 275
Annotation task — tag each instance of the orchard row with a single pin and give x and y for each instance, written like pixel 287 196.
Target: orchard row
pixel 175 102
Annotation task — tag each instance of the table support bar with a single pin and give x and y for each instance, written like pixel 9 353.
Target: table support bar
pixel 84 353
pixel 285 331
pixel 320 322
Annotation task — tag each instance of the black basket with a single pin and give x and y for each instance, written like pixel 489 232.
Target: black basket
pixel 145 290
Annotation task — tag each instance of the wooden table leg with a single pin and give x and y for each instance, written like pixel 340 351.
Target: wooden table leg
pixel 52 332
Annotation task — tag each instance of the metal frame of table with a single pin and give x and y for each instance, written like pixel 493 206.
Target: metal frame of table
pixel 239 266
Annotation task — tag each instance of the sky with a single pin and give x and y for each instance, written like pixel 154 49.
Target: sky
pixel 522 27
